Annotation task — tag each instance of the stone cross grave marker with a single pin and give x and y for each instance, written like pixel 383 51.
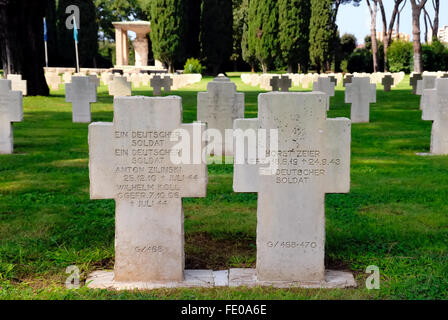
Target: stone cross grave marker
pixel 428 82
pixel 219 107
pixel 325 85
pixel 282 83
pixel 387 82
pixel 93 78
pixel 17 84
pixel 360 93
pixel 157 83
pixel 334 80
pixel 313 159
pixel 130 161
pixel 11 110
pixel 413 81
pixel 436 109
pixel 81 92
pixel 347 79
pixel 120 87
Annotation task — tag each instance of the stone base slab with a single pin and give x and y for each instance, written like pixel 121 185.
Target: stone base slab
pixel 333 280
pixel 226 278
pixel 193 278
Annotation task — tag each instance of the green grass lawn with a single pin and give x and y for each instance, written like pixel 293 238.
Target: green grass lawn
pixel 395 216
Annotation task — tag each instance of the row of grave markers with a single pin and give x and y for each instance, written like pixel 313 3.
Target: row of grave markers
pixel 312 159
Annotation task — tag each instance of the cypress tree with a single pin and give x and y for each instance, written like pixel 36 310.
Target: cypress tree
pixel 216 33
pixel 263 31
pixel 87 34
pixel 294 31
pixel 249 33
pixel 167 29
pixel 321 34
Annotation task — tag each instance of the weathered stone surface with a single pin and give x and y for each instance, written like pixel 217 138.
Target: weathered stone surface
pixel 131 161
pixel 81 92
pixel 360 93
pixel 435 109
pixel 219 107
pixel 11 110
pixel 120 87
pixel 312 158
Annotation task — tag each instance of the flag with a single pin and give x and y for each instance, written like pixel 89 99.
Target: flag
pixel 75 30
pixel 45 30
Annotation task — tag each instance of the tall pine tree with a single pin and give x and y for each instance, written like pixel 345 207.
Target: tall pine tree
pixel 294 31
pixel 216 33
pixel 263 31
pixel 321 34
pixel 167 30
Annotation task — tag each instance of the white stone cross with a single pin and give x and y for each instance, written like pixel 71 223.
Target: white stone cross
pixel 219 107
pixel 360 93
pixel 17 84
pixel 130 161
pixel 157 83
pixel 81 92
pixel 120 87
pixel 387 82
pixel 325 85
pixel 313 159
pixel 11 110
pixel 435 109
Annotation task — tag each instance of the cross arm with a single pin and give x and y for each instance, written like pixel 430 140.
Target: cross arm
pixel 16 113
pixel 245 170
pixel 196 173
pixel 338 146
pixel 100 166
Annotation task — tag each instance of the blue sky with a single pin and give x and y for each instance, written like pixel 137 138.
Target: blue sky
pixel 356 20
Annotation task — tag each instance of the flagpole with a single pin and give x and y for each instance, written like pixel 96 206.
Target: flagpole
pixel 46 42
pixel 77 57
pixel 75 36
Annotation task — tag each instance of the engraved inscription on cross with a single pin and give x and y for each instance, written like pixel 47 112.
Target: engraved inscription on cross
pixel 131 162
pixel 157 83
pixel 435 108
pixel 313 159
pixel 81 92
pixel 11 110
pixel 360 93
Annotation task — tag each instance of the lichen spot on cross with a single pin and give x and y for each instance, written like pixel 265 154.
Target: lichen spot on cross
pixel 313 159
pixel 130 161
